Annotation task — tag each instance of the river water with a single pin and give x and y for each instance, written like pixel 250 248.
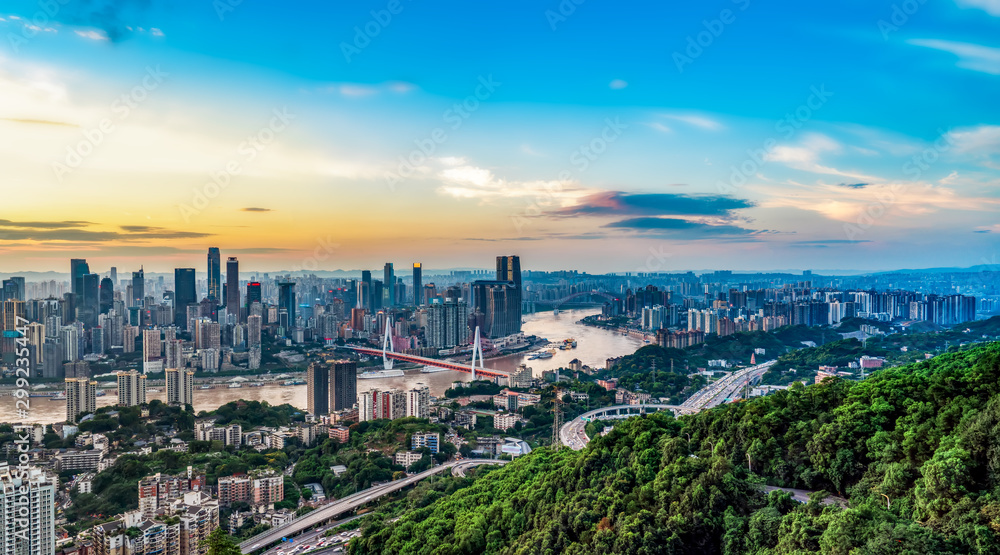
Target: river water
pixel 594 346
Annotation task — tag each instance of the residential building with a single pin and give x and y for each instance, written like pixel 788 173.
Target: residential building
pixel 81 397
pixel 27 511
pixel 131 388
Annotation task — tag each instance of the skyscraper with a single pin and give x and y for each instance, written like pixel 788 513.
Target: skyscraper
pixel 389 286
pixel 286 301
pixel 131 388
pixel 343 384
pixel 27 511
pixel 81 397
pixel 365 290
pixel 77 268
pixel 418 284
pixel 185 295
pixel 318 388
pixel 138 288
pixel 233 288
pixel 214 277
pixel 180 386
pixel 253 294
pixel 88 303
pixel 107 295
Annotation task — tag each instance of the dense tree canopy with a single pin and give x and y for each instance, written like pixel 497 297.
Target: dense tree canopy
pixel 914 449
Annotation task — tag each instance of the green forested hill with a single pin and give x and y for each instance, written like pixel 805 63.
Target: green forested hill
pixel 926 435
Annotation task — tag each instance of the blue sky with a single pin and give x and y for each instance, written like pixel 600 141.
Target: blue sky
pixel 733 134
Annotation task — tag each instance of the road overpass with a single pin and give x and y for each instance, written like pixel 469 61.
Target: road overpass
pixel 572 433
pixel 349 503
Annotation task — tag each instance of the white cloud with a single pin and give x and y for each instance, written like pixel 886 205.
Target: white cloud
pixel 92 34
pixel 618 84
pixel 696 120
pixel 991 7
pixel 660 127
pixel 970 56
pixel 156 32
pixel 982 139
pixel 471 182
pixel 806 157
pixel 357 90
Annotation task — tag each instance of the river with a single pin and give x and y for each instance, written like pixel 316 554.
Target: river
pixel 593 347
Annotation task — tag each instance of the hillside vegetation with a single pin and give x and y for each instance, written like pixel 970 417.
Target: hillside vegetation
pixel 926 436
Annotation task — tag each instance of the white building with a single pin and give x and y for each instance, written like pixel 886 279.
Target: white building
pixel 418 401
pixel 131 388
pixel 81 397
pixel 27 511
pixel 180 386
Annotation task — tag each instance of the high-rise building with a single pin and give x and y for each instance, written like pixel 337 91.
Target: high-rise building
pixel 418 284
pixel 77 268
pixel 286 301
pixel 131 388
pixel 214 274
pixel 318 388
pixel 343 384
pixel 107 295
pixel 151 345
pixel 88 302
pixel 27 511
pixel 499 301
pixel 365 290
pixel 254 326
pixel 81 397
pixel 138 288
pixel 233 288
pixel 185 295
pixel 388 285
pixel 418 401
pixel 180 386
pixel 173 354
pixel 253 294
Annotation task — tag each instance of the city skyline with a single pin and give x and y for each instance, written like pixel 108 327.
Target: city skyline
pixel 585 145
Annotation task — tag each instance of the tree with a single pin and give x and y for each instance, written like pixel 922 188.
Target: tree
pixel 220 543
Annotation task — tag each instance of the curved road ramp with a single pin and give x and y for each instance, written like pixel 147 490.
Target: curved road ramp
pixel 329 512
pixel 572 433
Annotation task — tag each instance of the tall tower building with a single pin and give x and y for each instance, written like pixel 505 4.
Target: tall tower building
pixel 418 284
pixel 343 384
pixel 138 288
pixel 27 511
pixel 131 388
pixel 253 294
pixel 81 397
pixel 180 386
pixel 233 288
pixel 214 274
pixel 318 388
pixel 509 269
pixel 107 295
pixel 286 300
pixel 77 268
pixel 151 346
pixel 365 290
pixel 185 295
pixel 389 285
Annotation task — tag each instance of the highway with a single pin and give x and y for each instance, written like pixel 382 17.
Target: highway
pixel 572 433
pixel 349 503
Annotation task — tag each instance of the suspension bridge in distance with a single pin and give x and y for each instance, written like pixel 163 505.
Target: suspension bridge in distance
pixel 388 356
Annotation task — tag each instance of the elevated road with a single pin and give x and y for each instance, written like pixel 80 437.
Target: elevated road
pixel 484 372
pixel 572 433
pixel 349 503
